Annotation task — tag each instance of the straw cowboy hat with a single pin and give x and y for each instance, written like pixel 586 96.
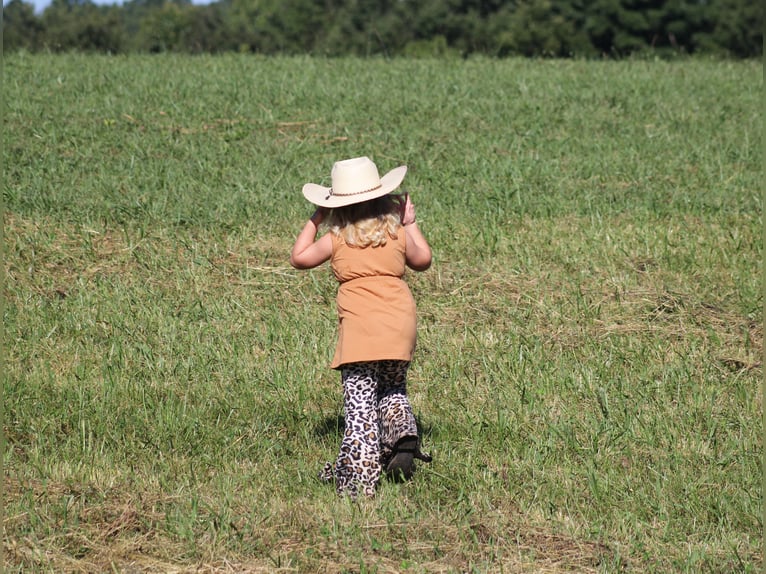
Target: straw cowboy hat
pixel 354 181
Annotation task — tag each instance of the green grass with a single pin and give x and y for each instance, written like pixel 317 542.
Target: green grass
pixel 590 338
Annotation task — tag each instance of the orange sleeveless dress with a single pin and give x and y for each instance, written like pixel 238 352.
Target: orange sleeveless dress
pixel 376 310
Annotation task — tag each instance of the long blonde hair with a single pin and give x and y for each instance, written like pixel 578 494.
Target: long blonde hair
pixel 366 224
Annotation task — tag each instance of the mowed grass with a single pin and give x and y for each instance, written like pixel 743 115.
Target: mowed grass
pixel 590 336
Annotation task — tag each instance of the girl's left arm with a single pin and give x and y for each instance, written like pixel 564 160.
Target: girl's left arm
pixel 308 253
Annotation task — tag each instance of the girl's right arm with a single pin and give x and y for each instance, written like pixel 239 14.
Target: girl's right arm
pixel 308 253
pixel 418 252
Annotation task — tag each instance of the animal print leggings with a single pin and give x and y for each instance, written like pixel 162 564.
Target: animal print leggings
pixel 377 416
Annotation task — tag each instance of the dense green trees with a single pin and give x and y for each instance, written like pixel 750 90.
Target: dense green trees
pixel 21 28
pixel 560 28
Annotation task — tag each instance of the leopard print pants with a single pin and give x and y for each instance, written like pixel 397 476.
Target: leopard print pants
pixel 377 415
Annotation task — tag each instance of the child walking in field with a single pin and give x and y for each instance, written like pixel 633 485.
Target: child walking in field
pixel 372 237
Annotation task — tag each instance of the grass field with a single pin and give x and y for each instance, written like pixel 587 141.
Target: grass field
pixel 590 334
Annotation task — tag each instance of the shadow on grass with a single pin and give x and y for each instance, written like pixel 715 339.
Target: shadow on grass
pixel 330 426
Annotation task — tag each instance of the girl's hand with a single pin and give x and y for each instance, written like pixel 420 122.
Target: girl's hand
pixel 408 211
pixel 318 216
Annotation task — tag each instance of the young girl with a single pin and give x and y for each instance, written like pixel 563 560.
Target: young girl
pixel 372 236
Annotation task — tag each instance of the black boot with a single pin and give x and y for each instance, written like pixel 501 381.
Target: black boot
pixel 401 466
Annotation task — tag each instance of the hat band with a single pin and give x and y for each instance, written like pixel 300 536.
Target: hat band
pixel 333 193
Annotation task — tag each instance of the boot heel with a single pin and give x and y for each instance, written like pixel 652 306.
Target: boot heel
pixel 401 465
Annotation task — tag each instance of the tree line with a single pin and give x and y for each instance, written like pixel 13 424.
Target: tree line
pixel 498 28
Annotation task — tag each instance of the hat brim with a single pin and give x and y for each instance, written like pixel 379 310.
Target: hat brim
pixel 321 196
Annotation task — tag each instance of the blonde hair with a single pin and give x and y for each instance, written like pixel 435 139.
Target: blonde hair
pixel 366 224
